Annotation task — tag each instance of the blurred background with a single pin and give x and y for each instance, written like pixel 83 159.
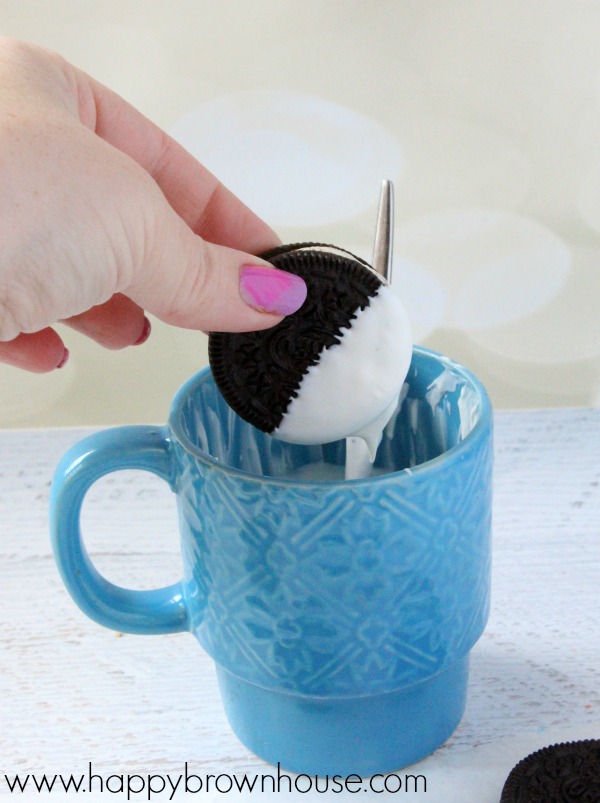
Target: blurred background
pixel 484 113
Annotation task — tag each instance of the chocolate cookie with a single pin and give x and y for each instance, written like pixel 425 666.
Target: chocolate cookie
pixel 259 373
pixel 563 773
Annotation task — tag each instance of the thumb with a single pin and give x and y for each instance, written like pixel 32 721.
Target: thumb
pixel 195 284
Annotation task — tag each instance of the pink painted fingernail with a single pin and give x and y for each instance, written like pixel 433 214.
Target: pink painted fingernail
pixel 64 358
pixel 271 290
pixel 145 333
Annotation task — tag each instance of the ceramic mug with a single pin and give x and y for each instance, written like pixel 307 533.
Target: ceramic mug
pixel 340 614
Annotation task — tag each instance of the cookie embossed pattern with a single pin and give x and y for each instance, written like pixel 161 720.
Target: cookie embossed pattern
pixel 329 370
pixel 561 773
pixel 335 367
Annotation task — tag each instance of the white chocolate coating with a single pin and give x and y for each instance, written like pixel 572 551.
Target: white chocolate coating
pixel 353 389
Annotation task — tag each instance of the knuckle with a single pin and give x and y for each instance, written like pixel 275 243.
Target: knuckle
pixel 11 324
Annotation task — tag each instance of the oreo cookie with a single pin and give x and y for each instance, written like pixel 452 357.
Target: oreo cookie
pixel 260 373
pixel 562 773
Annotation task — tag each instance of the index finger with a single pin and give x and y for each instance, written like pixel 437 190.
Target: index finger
pixel 207 206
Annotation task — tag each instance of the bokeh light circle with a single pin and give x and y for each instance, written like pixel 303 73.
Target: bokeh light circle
pixel 296 159
pixel 566 330
pixel 497 267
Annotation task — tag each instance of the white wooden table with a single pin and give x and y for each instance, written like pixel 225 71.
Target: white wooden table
pixel 73 693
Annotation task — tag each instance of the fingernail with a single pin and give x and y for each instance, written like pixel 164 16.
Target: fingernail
pixel 271 290
pixel 63 359
pixel 145 333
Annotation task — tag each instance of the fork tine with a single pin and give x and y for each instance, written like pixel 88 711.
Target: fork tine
pixel 384 231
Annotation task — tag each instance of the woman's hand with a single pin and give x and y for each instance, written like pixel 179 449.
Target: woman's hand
pixel 103 216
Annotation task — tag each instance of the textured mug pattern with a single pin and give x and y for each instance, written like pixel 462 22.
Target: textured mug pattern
pixel 330 589
pixel 340 614
pixel 336 589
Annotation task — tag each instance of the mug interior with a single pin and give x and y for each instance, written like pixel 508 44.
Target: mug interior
pixel 441 405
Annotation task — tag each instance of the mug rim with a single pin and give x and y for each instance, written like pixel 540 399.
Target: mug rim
pixel 483 425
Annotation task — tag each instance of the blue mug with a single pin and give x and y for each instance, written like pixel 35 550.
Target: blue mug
pixel 340 614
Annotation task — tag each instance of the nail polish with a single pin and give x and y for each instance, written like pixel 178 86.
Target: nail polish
pixel 64 358
pixel 271 290
pixel 145 333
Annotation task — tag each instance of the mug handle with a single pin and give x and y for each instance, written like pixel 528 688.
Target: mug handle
pixel 162 610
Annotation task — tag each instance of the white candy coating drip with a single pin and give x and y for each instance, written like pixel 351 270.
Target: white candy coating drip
pixel 354 388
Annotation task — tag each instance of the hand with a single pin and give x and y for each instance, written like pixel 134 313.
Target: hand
pixel 103 216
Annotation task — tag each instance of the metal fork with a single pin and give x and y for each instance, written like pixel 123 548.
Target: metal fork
pixel 358 461
pixel 384 232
